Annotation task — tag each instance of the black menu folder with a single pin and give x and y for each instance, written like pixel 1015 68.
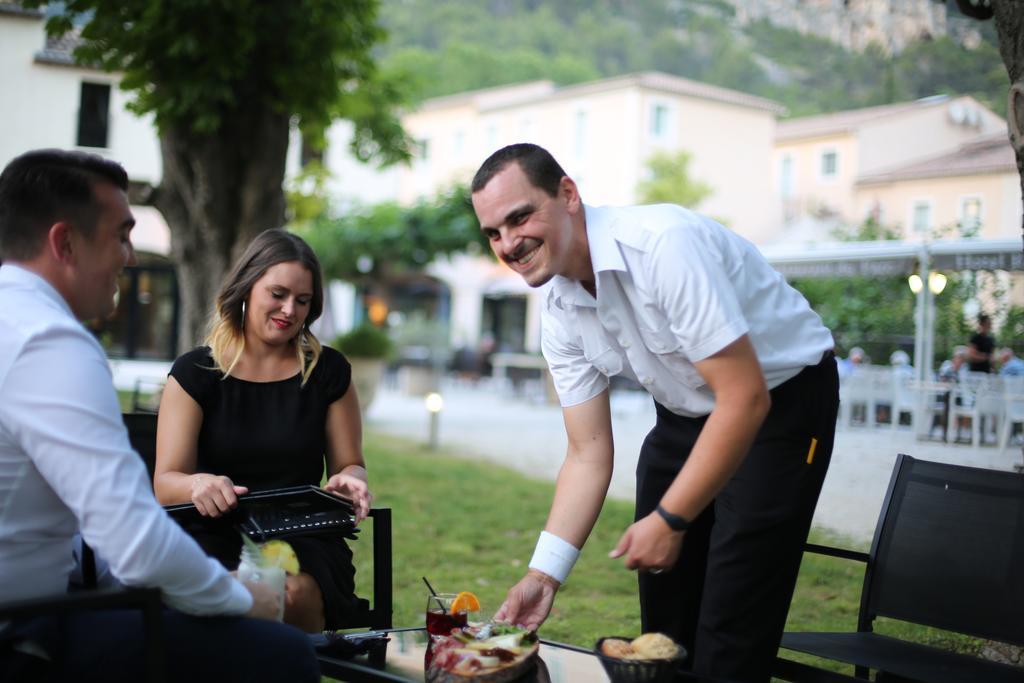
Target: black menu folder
pixel 278 513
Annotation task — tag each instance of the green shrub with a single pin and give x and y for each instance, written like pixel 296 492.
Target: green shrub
pixel 365 341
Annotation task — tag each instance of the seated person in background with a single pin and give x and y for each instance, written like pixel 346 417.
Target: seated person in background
pixel 953 369
pixel 66 464
pixel 847 366
pixel 1009 364
pixel 899 360
pixel 262 407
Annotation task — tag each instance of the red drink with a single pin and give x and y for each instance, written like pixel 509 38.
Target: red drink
pixel 440 620
pixel 441 623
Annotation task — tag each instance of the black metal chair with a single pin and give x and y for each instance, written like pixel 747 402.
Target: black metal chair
pixel 142 435
pixel 948 552
pixel 145 599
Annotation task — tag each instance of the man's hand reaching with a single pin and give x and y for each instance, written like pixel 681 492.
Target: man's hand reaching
pixel 528 603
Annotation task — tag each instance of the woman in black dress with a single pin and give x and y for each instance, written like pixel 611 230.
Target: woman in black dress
pixel 264 406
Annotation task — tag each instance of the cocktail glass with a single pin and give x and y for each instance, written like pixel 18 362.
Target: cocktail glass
pixel 440 620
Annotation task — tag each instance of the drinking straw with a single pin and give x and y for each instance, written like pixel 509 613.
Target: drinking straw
pixel 432 591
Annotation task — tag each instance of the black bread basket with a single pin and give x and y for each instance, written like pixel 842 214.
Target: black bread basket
pixel 639 670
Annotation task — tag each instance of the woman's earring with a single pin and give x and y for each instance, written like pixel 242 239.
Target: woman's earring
pixel 243 315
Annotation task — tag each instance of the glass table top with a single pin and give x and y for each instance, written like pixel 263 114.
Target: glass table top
pixel 404 661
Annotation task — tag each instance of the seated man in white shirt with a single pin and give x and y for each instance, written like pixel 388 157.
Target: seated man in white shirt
pixel 66 464
pixel 746 392
pixel 1009 364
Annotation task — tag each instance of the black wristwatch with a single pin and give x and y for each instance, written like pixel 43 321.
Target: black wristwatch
pixel 675 522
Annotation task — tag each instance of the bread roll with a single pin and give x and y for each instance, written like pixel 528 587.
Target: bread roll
pixel 616 647
pixel 654 646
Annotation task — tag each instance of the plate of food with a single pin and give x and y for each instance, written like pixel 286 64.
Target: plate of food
pixel 649 658
pixel 489 652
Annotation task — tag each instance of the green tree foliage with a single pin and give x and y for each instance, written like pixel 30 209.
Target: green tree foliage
pixel 670 181
pixel 225 81
pixel 198 62
pixel 1012 332
pixel 877 313
pixel 457 45
pixel 377 241
pixel 943 67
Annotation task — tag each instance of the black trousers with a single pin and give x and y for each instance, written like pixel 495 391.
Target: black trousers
pixel 727 597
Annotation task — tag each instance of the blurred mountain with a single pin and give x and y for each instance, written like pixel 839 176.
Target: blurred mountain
pixel 811 55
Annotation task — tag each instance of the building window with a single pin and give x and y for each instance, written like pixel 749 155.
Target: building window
pixel 786 176
pixel 94 115
pixel 970 216
pixel 922 216
pixel 829 164
pixel 145 322
pixel 659 121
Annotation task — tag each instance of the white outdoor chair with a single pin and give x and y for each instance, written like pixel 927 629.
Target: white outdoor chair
pixel 978 397
pixel 855 400
pixel 906 399
pixel 932 400
pixel 1013 413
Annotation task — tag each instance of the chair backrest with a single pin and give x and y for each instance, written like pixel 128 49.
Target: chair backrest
pixel 142 435
pixel 948 551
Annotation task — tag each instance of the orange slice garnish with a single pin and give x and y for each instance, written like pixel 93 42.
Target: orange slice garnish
pixel 465 602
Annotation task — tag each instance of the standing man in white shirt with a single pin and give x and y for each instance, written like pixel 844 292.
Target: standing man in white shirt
pixel 66 464
pixel 745 387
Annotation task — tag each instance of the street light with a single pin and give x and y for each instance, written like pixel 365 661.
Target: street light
pixel 434 404
pixel 936 282
pixel 924 317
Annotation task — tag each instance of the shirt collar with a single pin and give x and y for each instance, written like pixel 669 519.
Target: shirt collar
pixel 604 256
pixel 20 276
pixel 604 249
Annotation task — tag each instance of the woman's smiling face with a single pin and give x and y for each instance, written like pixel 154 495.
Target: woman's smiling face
pixel 278 304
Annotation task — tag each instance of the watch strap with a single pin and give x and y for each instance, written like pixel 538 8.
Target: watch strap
pixel 675 522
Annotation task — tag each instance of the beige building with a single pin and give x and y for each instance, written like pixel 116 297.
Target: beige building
pixel 819 160
pixel 973 191
pixel 603 133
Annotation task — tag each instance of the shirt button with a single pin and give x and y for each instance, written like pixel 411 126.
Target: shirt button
pixel 647 381
pixel 624 343
pixel 603 369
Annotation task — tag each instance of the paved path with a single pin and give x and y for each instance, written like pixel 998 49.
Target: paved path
pixel 487 422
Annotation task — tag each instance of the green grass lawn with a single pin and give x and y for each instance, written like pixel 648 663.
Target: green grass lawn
pixel 469 525
pixel 472 526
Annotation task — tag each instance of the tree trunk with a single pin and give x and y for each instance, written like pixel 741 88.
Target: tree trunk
pixel 218 192
pixel 1009 19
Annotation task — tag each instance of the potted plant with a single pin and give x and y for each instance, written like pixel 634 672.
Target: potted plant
pixel 367 348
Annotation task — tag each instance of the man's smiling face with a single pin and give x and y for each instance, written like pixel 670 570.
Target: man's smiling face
pixel 529 230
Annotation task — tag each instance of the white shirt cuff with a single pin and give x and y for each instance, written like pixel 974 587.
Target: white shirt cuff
pixel 554 556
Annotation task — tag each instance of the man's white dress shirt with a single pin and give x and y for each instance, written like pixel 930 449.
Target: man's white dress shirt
pixel 673 288
pixel 66 464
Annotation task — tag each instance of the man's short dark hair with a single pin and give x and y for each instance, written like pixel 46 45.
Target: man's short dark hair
pixel 42 187
pixel 984 319
pixel 538 165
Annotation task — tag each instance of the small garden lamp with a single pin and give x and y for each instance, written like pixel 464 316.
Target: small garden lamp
pixel 434 404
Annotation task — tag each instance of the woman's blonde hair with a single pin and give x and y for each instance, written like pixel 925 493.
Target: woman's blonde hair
pixel 226 338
